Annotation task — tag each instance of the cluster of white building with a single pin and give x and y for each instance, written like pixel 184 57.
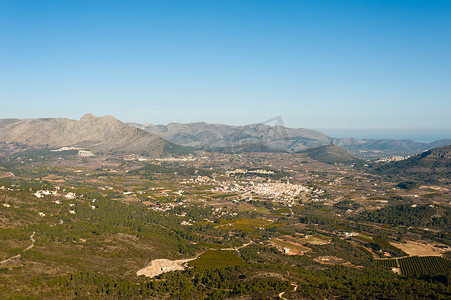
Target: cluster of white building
pixel 202 179
pixel 131 157
pixel 245 171
pixel 6 188
pixel 85 153
pixel 81 152
pixel 167 206
pixel 190 157
pixel 42 193
pixel 186 223
pixel 276 190
pixel 392 158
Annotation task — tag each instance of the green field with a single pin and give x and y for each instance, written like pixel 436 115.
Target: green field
pixel 247 225
pixel 388 263
pixel 281 211
pixel 417 266
pixel 220 196
pixel 214 259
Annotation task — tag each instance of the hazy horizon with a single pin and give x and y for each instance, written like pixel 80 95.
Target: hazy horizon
pixel 417 135
pixel 424 135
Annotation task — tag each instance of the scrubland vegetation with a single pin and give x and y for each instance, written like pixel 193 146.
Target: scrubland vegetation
pixel 323 231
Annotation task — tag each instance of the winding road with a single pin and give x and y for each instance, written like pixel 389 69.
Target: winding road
pixel 294 290
pixel 26 249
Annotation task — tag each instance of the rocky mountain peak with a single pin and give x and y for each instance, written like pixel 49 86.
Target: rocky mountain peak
pixel 98 134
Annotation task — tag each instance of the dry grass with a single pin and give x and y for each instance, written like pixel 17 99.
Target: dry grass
pixel 294 248
pixel 418 249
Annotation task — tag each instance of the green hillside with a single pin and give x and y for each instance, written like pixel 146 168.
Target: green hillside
pixel 431 166
pixel 330 154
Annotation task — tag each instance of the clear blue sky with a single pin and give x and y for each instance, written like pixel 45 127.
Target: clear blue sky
pixel 318 64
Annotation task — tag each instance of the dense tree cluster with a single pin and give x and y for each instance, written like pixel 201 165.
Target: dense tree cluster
pixel 411 215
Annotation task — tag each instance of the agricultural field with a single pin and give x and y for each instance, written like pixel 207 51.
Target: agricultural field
pixel 288 246
pixel 317 239
pixel 418 265
pixel 388 263
pixel 413 248
pixel 246 225
pixel 106 227
pixel 214 259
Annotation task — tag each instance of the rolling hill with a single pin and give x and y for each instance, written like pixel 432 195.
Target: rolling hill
pixel 330 154
pixel 431 166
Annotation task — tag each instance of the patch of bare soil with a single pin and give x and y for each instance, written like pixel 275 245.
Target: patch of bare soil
pixel 330 260
pixel 421 249
pixel 160 266
pixel 333 260
pixel 434 187
pixel 289 247
pixel 268 275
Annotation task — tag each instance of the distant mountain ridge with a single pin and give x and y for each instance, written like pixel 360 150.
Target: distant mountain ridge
pixel 98 134
pixel 216 136
pixel 108 134
pixel 226 138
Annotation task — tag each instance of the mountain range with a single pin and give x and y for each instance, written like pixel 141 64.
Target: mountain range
pixel 261 137
pixel 98 134
pixel 108 134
